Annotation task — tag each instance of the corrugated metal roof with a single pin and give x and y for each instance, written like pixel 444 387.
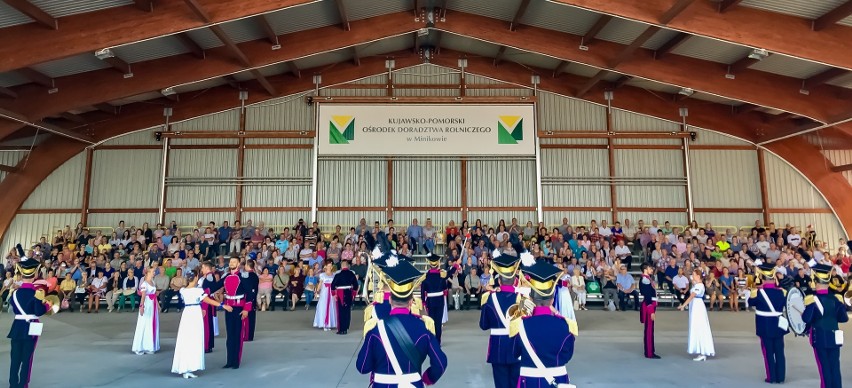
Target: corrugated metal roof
pixel 716 99
pixel 11 78
pixel 844 81
pixel 557 17
pixel 659 39
pixel 530 59
pixel 711 50
pixel 388 45
pixel 136 98
pixel 788 66
pixel 589 71
pixel 314 15
pixel 72 65
pixel 271 70
pixel 651 85
pixel 503 10
pixel 201 85
pixel 466 45
pixel 244 30
pixel 11 17
pixel 361 9
pixel 808 9
pixel 205 38
pixel 324 59
pixel 621 31
pixel 60 8
pixel 147 50
pixel 846 22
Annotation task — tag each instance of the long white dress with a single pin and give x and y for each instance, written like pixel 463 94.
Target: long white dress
pixel 563 302
pixel 326 315
pixel 189 345
pixel 147 336
pixel 700 337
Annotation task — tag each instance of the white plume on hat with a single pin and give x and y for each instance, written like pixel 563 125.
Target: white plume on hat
pixel 377 253
pixel 527 259
pixel 758 262
pixel 392 261
pixel 495 254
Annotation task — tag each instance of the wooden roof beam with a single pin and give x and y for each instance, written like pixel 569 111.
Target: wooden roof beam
pixel 21 119
pixel 344 17
pixel 291 65
pixel 841 168
pixel 725 5
pixel 118 64
pixel 499 57
pixel 591 83
pixel 671 44
pixel 264 82
pixel 144 5
pixel 36 13
pixel 9 169
pixel 190 45
pixel 741 64
pixel 599 25
pixel 775 32
pixel 356 56
pixel 823 77
pixel 8 92
pixel 561 68
pixel 621 81
pixel 232 82
pixel 522 9
pixel 231 46
pixel 675 10
pixel 269 31
pixel 832 17
pixel 198 10
pixel 628 50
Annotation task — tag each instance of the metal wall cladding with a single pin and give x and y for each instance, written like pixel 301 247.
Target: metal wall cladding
pixel 427 74
pixel 723 221
pixel 575 195
pixel 651 196
pixel 126 179
pixel 827 228
pixel 278 163
pixel 360 183
pixel 26 229
pixel 10 158
pixel 501 183
pixel 650 164
pixel 332 92
pixel 436 92
pixel 100 220
pixel 207 163
pixel 676 219
pixel 347 219
pixel 807 9
pixel 62 189
pixel 228 120
pixel 836 157
pixel 291 113
pixel 373 79
pixel 559 113
pixel 189 219
pixel 675 141
pixel 562 165
pixel 709 137
pixel 426 183
pixel 725 179
pixel 276 220
pixel 480 80
pixel 546 140
pixel 492 218
pixel 573 162
pixel 439 218
pixel 519 92
pixel 203 141
pixel 787 188
pixel 141 137
pixel 553 219
pixel 625 121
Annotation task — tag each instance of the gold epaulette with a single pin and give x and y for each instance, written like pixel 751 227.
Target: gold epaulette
pixel 809 299
pixel 514 326
pixel 784 292
pixel 416 306
pixel 485 296
pixel 39 294
pixel 443 273
pixel 368 312
pixel 572 326
pixel 429 322
pixel 378 296
pixel 753 293
pixel 840 298
pixel 369 325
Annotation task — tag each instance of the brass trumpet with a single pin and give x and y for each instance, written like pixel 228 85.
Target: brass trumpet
pixel 525 305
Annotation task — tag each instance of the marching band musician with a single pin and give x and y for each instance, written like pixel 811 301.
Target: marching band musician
pixel 823 311
pixel 504 366
pixel 380 307
pixel 434 292
pixel 544 340
pixel 395 348
pixel 237 295
pixel 771 326
pixel 27 305
pixel 648 310
pixel 345 286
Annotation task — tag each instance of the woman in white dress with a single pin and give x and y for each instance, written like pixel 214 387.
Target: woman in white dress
pixel 147 337
pixel 700 337
pixel 563 302
pixel 578 283
pixel 189 345
pixel 326 315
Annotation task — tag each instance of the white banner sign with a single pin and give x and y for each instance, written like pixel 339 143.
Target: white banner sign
pixel 427 129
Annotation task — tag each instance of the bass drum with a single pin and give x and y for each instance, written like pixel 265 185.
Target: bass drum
pixel 794 309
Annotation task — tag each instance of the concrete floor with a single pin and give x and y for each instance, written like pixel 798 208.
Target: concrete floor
pixel 87 350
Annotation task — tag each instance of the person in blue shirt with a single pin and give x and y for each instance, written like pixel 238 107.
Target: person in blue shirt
pixel 769 301
pixel 415 236
pixel 626 288
pixel 224 237
pixel 823 312
pixel 543 339
pixel 282 244
pixel 395 348
pixel 505 366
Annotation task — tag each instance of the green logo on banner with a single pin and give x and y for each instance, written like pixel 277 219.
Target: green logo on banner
pixel 341 129
pixel 510 129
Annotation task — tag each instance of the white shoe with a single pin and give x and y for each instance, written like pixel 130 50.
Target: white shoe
pixel 149 352
pixel 189 376
pixel 138 353
pixel 700 358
